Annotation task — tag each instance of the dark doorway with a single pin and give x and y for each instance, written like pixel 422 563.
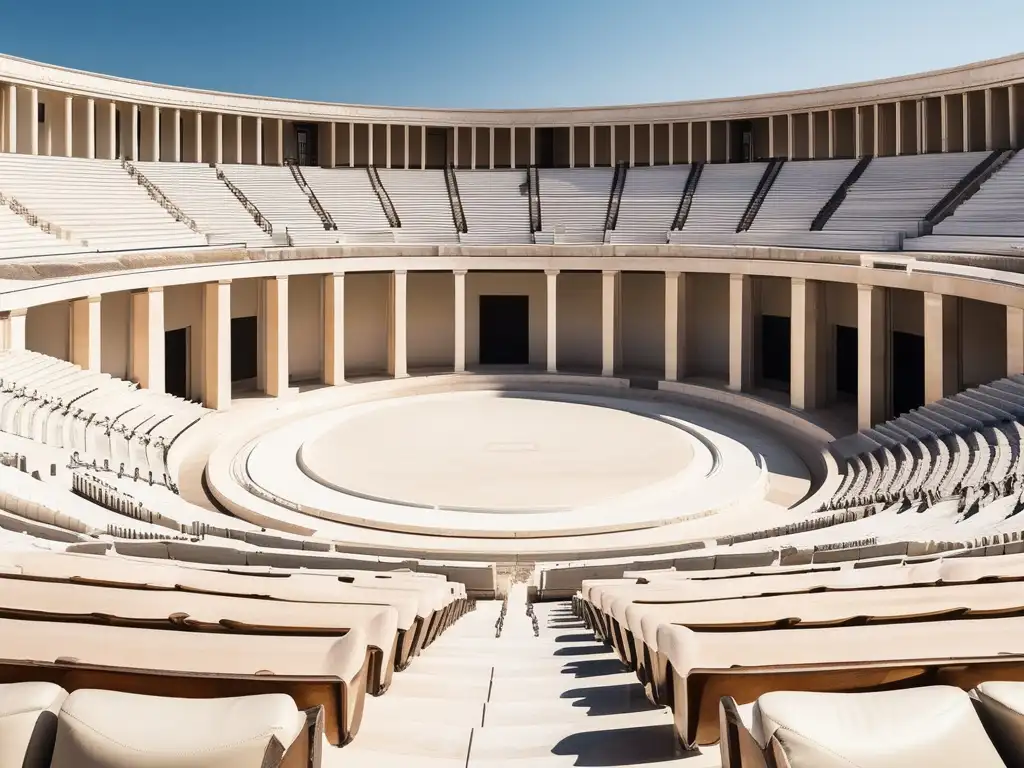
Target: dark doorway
pixel 243 348
pixel 741 134
pixel 306 144
pixel 846 360
pixel 775 352
pixel 544 147
pixel 176 358
pixel 907 384
pixel 504 330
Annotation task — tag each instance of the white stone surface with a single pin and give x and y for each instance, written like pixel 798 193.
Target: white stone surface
pixel 493 452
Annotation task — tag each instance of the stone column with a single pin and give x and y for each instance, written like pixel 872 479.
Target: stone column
pixel 85 333
pixel 944 120
pixel 90 129
pixel 871 356
pixel 33 111
pixel 740 319
pixel 405 163
pixel 806 341
pixel 259 141
pixel 107 119
pixel 151 134
pixel 592 147
pixel 552 320
pixel 472 148
pixel 11 127
pixel 12 329
pixel 238 140
pixel 147 339
pixel 858 132
pixel 197 128
pixel 941 371
pixel 672 326
pixel 608 280
pixel 332 145
pixel 334 329
pixel 217 345
pixel 218 141
pixel 69 127
pixel 423 148
pixel 490 148
pixel 275 336
pixel 175 115
pixel 399 324
pixel 990 141
pixel 1014 341
pixel 460 321
pixel 387 145
pixel 130 144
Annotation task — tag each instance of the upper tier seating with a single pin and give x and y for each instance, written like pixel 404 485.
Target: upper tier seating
pixel 574 204
pixel 650 199
pixel 801 189
pixel 722 195
pixel 896 193
pixel 991 221
pixel 421 201
pixel 348 196
pixel 195 188
pixel 274 192
pixel 95 202
pixel 18 238
pixel 495 209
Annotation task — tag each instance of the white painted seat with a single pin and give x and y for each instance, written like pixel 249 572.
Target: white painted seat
pixel 496 210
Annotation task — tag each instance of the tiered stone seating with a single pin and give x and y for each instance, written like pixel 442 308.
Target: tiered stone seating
pixel 496 211
pixel 274 192
pixel 421 200
pixel 801 190
pixel 650 199
pixel 896 193
pixel 195 188
pixel 574 204
pixel 18 238
pixel 95 202
pixel 722 195
pixel 348 196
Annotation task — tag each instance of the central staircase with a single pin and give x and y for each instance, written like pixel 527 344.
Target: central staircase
pixel 474 700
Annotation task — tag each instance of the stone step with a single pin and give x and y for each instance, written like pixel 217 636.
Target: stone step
pixel 622 711
pixel 435 711
pixel 546 688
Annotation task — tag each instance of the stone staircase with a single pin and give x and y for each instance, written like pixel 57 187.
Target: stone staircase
pixel 476 700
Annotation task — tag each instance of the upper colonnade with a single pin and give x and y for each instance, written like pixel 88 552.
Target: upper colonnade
pixel 50 110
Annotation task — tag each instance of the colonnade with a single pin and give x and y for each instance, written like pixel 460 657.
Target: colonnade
pixel 810 341
pixel 44 122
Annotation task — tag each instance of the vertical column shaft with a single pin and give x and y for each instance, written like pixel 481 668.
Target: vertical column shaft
pixel 399 325
pixel 85 332
pixel 806 334
pixel 940 346
pixel 217 345
pixel 740 318
pixel 671 326
pixel 147 339
pixel 1014 341
pixel 552 320
pixel 608 280
pixel 460 320
pixel 334 329
pixel 871 356
pixel 275 336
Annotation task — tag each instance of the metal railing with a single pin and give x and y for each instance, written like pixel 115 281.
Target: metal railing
pixel 686 200
pixel 458 215
pixel 314 202
pixel 162 200
pixel 383 197
pixel 615 196
pixel 258 217
pixel 533 190
pixel 771 173
pixel 833 203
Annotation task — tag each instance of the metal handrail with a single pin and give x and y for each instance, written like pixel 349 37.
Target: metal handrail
pixel 258 217
pixel 32 219
pixel 300 179
pixel 165 202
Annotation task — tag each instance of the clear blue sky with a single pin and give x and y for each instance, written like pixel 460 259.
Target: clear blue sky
pixel 502 53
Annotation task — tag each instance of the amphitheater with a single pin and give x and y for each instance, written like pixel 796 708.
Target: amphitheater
pixel 684 434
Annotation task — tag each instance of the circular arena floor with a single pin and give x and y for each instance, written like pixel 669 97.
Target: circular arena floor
pixel 500 466
pixel 478 452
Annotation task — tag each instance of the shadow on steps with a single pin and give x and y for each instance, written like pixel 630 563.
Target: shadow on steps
pixel 631 746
